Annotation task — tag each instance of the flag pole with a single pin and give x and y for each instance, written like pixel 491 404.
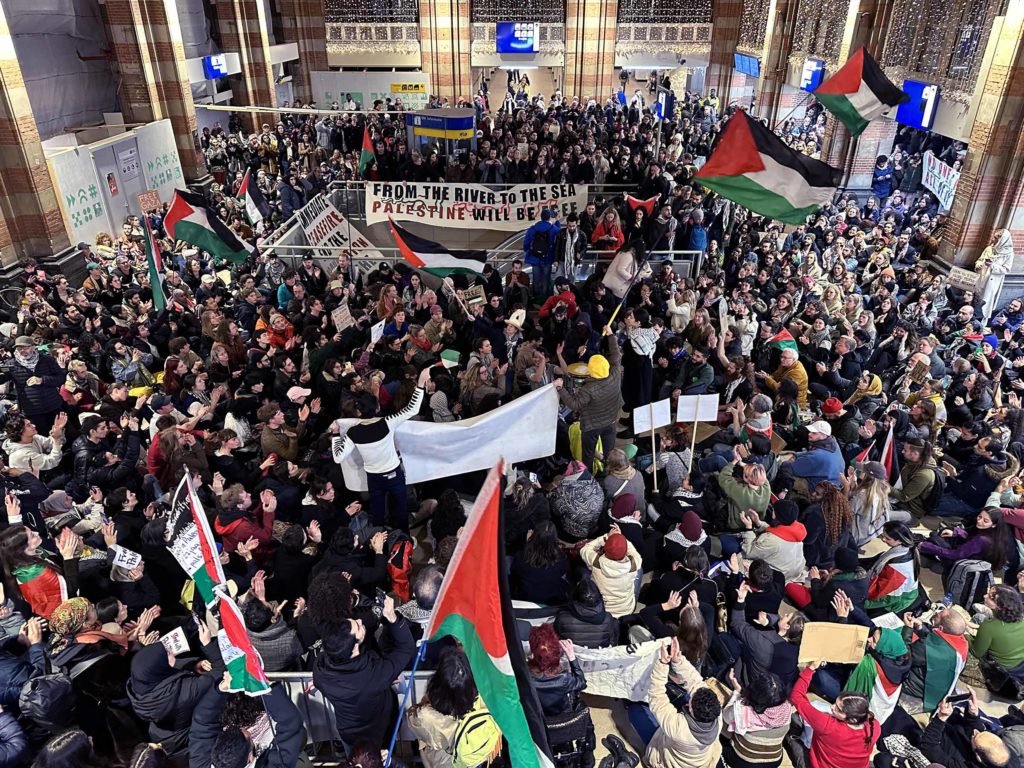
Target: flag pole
pixel 654 447
pixel 625 295
pixel 420 652
pixel 693 437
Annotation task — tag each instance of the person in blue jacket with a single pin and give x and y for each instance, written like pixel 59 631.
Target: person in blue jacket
pixel 881 178
pixel 822 461
pixel 539 253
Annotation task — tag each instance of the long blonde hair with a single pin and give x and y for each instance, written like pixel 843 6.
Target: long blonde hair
pixel 872 494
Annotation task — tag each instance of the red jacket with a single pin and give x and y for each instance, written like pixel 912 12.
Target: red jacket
pixel 834 744
pixel 567 297
pixel 258 524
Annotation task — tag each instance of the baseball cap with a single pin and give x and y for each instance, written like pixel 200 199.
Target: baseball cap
pixel 296 392
pixel 159 401
pixel 820 427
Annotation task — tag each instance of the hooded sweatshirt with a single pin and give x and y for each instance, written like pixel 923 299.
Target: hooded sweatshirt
pixel 822 461
pixel 781 546
pixel 614 578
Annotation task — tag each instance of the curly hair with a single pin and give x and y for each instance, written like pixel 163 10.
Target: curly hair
pixel 835 508
pixel 545 651
pixel 1009 606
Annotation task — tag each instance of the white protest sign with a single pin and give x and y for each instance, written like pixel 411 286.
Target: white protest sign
pixel 175 641
pixel 342 317
pixel 961 278
pixel 470 206
pixel 697 408
pixel 325 225
pixel 377 331
pixel 126 558
pixel 652 416
pixel 940 179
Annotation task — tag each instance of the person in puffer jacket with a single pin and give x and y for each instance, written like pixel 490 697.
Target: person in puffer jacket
pixel 585 620
pixel 37 379
pixel 614 564
pixel 779 544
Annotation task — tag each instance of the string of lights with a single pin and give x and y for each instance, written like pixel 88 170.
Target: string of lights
pixel 753 24
pixel 663 12
pixel 366 12
pixel 493 11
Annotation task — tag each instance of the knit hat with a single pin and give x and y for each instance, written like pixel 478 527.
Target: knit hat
pixel 875 469
pixel 788 388
pixel 691 526
pixel 598 367
pixel 615 546
pixel 847 559
pixel 623 505
pixel 991 340
pixel 832 407
pixel 575 468
pixel 786 512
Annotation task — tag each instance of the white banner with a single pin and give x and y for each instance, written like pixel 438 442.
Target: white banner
pixel 158 158
pixel 325 225
pixel 468 206
pixel 522 430
pixel 940 179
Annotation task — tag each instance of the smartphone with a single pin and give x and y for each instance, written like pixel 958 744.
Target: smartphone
pixel 960 700
pixel 378 602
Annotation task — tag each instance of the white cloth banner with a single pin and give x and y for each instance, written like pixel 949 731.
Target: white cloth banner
pixel 325 225
pixel 522 430
pixel 617 673
pixel 469 206
pixel 940 179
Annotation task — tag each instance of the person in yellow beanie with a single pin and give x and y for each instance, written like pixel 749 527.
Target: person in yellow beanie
pixel 598 401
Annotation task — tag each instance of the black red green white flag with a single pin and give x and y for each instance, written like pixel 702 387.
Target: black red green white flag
pixel 155 267
pixel 435 258
pixel 859 92
pixel 242 662
pixel 252 200
pixel 190 220
pixel 475 607
pixel 753 167
pixel 192 544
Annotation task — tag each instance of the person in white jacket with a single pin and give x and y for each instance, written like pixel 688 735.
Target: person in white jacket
pixel 992 266
pixel 781 544
pixel 614 564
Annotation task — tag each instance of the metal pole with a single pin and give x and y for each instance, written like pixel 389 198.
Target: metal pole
pixel 405 700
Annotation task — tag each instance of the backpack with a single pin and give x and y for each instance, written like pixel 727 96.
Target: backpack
pixel 477 739
pixel 49 702
pixel 969 581
pixel 400 564
pixel 938 488
pixel 540 246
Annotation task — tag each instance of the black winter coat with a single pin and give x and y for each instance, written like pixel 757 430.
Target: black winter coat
pixel 586 626
pixel 40 398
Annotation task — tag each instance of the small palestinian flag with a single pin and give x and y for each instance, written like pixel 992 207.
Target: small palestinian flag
pixel 155 265
pixel 192 544
pixel 242 662
pixel 190 220
pixel 366 155
pixel 782 340
pixel 435 258
pixel 890 460
pixel 859 92
pixel 751 166
pixel 475 607
pixel 253 202
pixel 649 205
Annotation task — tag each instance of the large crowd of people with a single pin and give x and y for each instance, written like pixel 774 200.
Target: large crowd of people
pixel 864 467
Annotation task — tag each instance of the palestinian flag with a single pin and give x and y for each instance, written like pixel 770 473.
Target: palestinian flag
pixel 879 674
pixel 155 265
pixel 242 662
pixel 890 460
pixel 649 205
pixel 895 587
pixel 859 92
pixel 366 155
pixel 192 543
pixel 190 220
pixel 945 656
pixel 751 166
pixel 435 258
pixel 782 340
pixel 252 200
pixel 475 607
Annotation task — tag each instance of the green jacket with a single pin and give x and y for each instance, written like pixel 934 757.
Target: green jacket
pixel 741 496
pixel 916 488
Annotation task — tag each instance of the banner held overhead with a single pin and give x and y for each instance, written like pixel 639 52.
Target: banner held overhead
pixel 468 206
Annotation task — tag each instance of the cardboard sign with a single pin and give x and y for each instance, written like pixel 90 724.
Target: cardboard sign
pixel 653 416
pixel 475 294
pixel 342 317
pixel 126 558
pixel 964 279
pixel 697 408
pixel 377 331
pixel 175 641
pixel 149 201
pixel 837 643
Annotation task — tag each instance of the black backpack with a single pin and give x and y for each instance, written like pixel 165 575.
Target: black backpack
pixel 938 488
pixel 540 246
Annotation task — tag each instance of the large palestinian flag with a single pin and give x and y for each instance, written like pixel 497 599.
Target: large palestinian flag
pixel 895 587
pixel 155 267
pixel 255 204
pixel 751 166
pixel 192 544
pixel 475 607
pixel 242 662
pixel 945 657
pixel 190 220
pixel 859 92
pixel 433 257
pixel 366 154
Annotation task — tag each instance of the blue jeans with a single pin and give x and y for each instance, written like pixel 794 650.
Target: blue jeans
pixel 383 486
pixel 952 506
pixel 642 720
pixel 541 281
